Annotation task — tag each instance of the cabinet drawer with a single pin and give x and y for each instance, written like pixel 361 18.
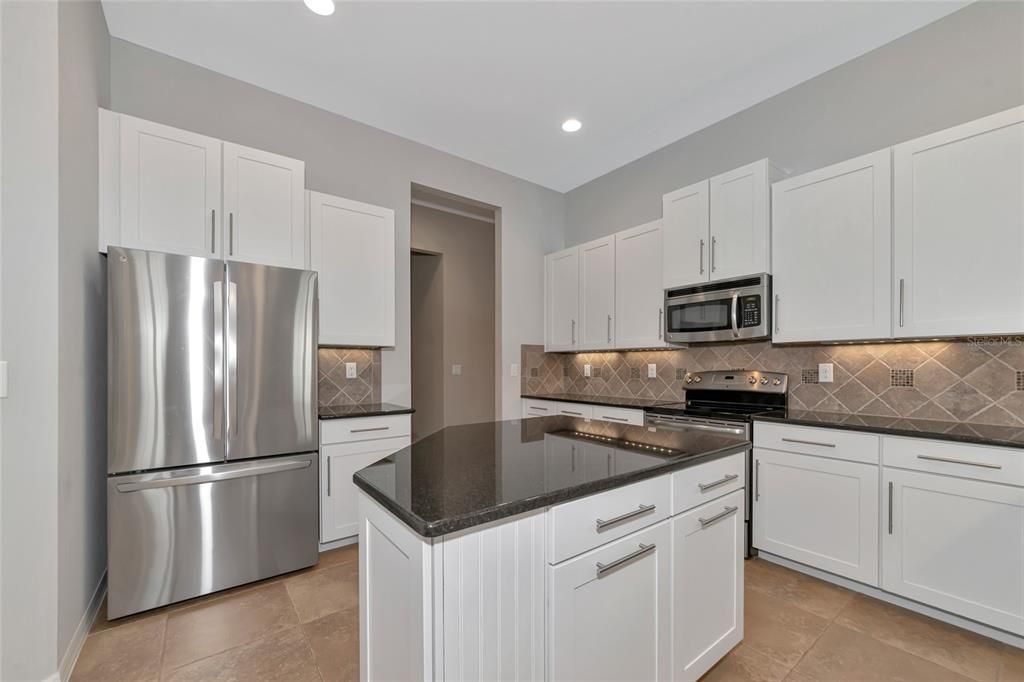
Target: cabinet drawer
pixel 619 415
pixel 809 440
pixel 698 484
pixel 592 521
pixel 578 410
pixel 364 428
pixel 540 408
pixel 979 462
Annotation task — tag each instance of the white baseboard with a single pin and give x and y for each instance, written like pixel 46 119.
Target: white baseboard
pixel 917 607
pixel 70 657
pixel 344 542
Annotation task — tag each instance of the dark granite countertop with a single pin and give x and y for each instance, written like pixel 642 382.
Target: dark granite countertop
pixel 963 432
pixel 364 410
pixel 605 400
pixel 463 476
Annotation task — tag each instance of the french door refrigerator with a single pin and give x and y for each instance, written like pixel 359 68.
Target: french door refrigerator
pixel 212 427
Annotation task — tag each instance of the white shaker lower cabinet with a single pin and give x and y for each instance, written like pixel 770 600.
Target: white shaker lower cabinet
pixel 957 545
pixel 707 584
pixel 352 247
pixel 610 611
pixel 818 511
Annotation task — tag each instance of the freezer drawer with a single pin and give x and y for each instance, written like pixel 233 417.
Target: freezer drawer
pixel 174 535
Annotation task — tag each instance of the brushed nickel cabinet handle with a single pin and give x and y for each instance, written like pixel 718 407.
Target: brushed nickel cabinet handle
pixel 776 313
pixel 231 234
pixel 601 524
pixel 902 290
pixel 890 507
pixel 661 326
pixel 213 230
pixel 575 414
pixel 574 332
pixel 757 479
pixel 701 256
pixel 614 419
pixel 609 329
pixel 704 523
pixel 947 460
pixel 604 569
pixel 714 484
pixel 714 243
pixel 328 477
pixel 375 428
pixel 808 442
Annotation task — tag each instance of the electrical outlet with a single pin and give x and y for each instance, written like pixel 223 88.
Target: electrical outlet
pixel 350 370
pixel 586 370
pixel 825 375
pixel 652 370
pixel 456 370
pixel 514 370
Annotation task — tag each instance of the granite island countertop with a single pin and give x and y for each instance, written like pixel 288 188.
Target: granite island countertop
pixel 464 476
pixel 362 410
pixel 603 400
pixel 962 432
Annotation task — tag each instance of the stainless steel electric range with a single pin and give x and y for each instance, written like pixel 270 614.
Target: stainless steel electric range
pixel 726 401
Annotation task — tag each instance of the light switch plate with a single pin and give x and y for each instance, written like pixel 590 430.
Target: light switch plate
pixel 514 370
pixel 652 370
pixel 3 379
pixel 350 370
pixel 825 373
pixel 456 370
pixel 586 370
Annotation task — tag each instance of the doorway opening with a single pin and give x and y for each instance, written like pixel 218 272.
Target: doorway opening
pixel 453 282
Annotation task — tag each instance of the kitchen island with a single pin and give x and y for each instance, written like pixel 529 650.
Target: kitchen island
pixel 552 548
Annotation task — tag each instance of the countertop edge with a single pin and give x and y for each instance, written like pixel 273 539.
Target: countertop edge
pixel 893 431
pixel 430 530
pixel 375 413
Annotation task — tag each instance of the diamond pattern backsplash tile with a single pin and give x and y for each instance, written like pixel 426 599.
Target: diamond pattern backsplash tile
pixel 334 388
pixel 948 380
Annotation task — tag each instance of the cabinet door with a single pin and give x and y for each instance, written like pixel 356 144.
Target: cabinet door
pixel 739 221
pixel 597 294
pixel 707 585
pixel 685 215
pixel 959 230
pixel 957 545
pixel 170 185
pixel 352 247
pixel 831 252
pixel 613 623
pixel 263 200
pixel 562 300
pixel 820 512
pixel 339 512
pixel 639 294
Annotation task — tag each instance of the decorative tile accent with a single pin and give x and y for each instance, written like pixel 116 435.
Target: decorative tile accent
pixel 948 380
pixel 901 377
pixel 333 388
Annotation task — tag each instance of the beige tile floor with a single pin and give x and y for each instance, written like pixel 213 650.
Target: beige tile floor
pixel 304 626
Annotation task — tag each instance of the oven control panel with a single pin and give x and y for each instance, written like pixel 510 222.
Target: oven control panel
pixel 737 380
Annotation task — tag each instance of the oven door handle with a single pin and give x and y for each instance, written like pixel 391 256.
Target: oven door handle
pixel 735 314
pixel 673 424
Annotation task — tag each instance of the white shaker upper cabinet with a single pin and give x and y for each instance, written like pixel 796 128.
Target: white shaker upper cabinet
pixel 597 294
pixel 352 247
pixel 639 296
pixel 686 216
pixel 740 243
pixel 562 270
pixel 169 187
pixel 959 230
pixel 263 205
pixel 831 252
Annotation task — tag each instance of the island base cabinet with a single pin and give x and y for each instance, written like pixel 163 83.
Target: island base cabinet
pixel 610 611
pixel 955 544
pixel 707 585
pixel 818 511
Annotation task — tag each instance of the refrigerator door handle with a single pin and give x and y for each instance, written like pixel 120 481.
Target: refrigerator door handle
pixel 172 481
pixel 232 342
pixel 218 360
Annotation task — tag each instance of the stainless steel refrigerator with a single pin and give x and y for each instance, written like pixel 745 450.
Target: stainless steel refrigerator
pixel 212 427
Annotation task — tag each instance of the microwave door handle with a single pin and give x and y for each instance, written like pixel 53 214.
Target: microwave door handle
pixel 735 315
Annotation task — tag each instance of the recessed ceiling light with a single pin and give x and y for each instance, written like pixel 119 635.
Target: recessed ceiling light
pixel 571 125
pixel 324 8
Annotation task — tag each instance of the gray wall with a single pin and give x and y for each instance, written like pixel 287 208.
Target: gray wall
pixel 84 82
pixel 353 160
pixel 427 312
pixel 467 283
pixel 964 66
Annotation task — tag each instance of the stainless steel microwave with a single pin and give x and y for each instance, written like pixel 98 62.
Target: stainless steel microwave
pixel 724 310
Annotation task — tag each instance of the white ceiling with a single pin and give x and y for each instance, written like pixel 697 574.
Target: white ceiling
pixel 492 81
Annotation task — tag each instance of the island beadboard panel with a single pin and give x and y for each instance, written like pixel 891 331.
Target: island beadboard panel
pixel 963 380
pixel 334 388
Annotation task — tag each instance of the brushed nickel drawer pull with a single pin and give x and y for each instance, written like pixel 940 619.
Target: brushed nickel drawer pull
pixel 984 465
pixel 728 511
pixel 575 414
pixel 890 507
pixel 808 442
pixel 714 484
pixel 614 419
pixel 328 477
pixel 601 524
pixel 542 409
pixel 375 428
pixel 604 569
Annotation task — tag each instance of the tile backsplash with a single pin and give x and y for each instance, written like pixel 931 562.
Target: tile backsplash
pixel 977 381
pixel 334 388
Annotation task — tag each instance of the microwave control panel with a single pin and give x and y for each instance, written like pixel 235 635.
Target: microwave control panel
pixel 750 311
